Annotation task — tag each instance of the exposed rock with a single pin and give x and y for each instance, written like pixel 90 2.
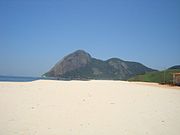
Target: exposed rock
pixel 70 62
pixel 80 65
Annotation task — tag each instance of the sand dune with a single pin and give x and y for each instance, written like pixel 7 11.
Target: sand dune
pixel 88 108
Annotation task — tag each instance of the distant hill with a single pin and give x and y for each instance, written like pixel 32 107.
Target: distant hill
pixel 80 65
pixel 157 76
pixel 175 67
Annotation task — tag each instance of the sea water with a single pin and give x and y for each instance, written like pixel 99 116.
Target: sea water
pixel 18 78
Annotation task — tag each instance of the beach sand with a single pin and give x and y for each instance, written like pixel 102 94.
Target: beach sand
pixel 47 107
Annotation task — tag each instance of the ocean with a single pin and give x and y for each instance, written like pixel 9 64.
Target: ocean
pixel 18 79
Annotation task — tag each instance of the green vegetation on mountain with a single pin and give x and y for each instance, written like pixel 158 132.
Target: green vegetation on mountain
pixel 80 65
pixel 165 76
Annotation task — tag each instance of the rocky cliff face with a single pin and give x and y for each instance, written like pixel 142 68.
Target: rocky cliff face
pixel 80 65
pixel 73 61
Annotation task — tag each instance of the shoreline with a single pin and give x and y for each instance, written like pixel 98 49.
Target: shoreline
pixel 133 82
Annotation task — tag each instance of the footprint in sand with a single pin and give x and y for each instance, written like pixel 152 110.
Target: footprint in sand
pixel 83 100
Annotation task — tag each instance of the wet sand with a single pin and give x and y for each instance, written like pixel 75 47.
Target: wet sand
pixel 47 107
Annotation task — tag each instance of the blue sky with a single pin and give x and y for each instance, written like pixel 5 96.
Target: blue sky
pixel 35 34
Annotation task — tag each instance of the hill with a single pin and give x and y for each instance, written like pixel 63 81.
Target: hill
pixel 157 76
pixel 80 65
pixel 175 67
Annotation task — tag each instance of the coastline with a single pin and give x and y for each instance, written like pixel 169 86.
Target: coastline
pixel 133 82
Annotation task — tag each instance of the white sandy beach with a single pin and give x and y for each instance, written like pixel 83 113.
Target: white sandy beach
pixel 88 108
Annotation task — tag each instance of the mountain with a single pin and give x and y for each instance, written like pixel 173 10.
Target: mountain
pixel 80 65
pixel 70 63
pixel 175 67
pixel 165 76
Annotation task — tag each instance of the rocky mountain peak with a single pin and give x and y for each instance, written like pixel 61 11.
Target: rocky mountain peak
pixel 80 65
pixel 73 61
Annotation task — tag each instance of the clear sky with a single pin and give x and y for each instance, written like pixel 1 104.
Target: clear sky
pixel 35 34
